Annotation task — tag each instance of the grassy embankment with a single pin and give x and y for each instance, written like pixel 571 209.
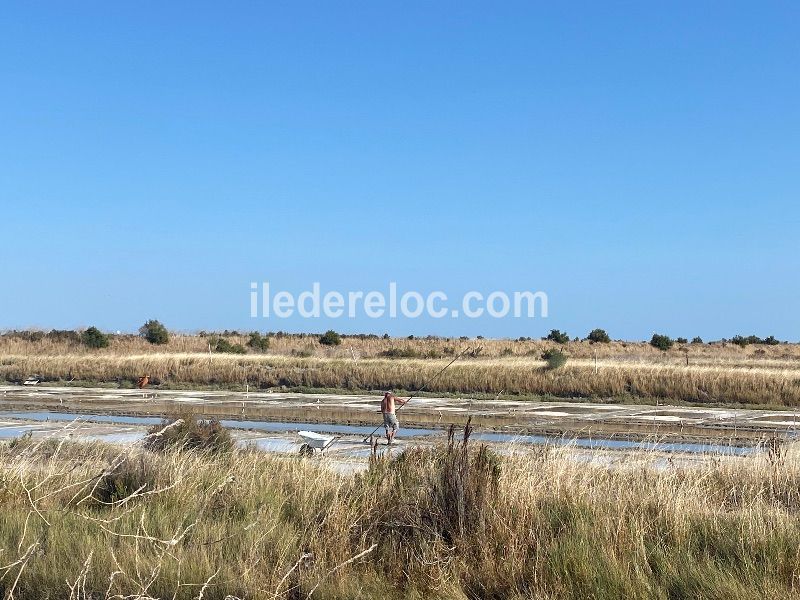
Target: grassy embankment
pixel 96 522
pixel 716 374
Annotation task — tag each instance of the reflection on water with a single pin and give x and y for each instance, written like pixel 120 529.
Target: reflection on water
pixel 608 444
pixel 272 426
pixel 118 438
pixel 46 415
pixel 7 433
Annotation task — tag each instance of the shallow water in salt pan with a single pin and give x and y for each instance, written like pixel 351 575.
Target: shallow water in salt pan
pixel 276 444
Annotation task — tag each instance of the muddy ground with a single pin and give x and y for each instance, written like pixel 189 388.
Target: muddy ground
pixel 271 420
pixel 565 418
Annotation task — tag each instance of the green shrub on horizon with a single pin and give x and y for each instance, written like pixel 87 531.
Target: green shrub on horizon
pixel 555 335
pixel 662 342
pixel 330 338
pixel 154 332
pixel 258 342
pixel 400 353
pixel 598 336
pixel 223 345
pixel 94 338
pixel 743 341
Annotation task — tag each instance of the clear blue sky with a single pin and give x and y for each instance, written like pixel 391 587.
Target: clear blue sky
pixel 639 162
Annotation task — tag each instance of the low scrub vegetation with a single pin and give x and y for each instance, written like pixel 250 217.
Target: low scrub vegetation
pixel 302 352
pixel 126 477
pixel 743 341
pixel 400 353
pixel 258 342
pixel 410 352
pixel 94 338
pixel 470 375
pixel 453 521
pixel 598 336
pixel 555 359
pixel 224 345
pixel 330 338
pixel 188 432
pixel 54 336
pixel 697 372
pixel 662 342
pixel 557 336
pixel 369 346
pixel 154 332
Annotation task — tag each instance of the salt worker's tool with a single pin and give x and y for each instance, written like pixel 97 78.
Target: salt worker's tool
pixel 424 385
pixel 314 441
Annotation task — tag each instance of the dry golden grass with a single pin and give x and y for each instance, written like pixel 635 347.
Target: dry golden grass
pixel 715 374
pixel 372 347
pixel 90 521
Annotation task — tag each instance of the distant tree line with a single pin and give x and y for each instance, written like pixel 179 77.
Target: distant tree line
pixel 156 333
pixel 659 340
pixel 743 341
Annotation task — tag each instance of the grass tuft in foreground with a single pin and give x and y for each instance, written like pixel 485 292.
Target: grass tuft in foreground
pixel 457 521
pixel 189 432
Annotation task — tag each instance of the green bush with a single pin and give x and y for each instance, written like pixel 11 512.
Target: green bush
pixel 400 353
pixel 555 359
pixel 55 335
pixel 63 335
pixel 154 332
pixel 560 337
pixel 26 335
pixel 94 338
pixel 598 336
pixel 223 345
pixel 258 342
pixel 681 340
pixel 21 442
pixel 743 341
pixel 662 342
pixel 132 475
pixel 697 340
pixel 189 432
pixel 330 338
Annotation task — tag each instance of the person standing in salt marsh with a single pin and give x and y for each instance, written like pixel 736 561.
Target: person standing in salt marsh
pixel 389 405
